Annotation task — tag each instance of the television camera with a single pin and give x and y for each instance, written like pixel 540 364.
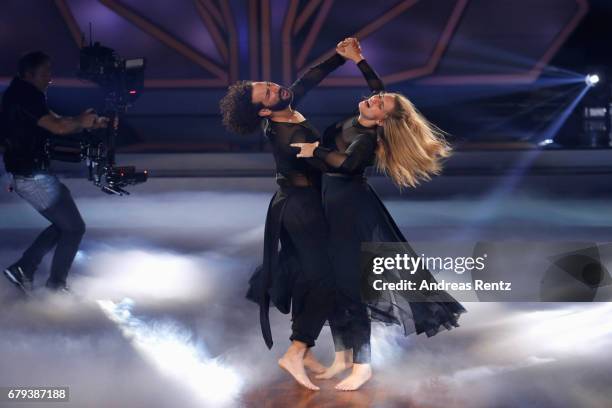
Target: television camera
pixel 122 81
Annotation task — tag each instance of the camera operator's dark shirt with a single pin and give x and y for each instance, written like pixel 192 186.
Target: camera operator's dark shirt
pixel 23 105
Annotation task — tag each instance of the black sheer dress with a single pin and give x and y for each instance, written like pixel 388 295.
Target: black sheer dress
pixel 356 214
pixel 296 273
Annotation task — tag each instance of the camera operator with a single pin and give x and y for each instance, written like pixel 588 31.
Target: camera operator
pixel 29 123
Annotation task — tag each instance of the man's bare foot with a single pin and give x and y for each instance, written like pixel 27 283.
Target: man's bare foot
pixel 342 361
pixel 293 362
pixel 360 375
pixel 312 364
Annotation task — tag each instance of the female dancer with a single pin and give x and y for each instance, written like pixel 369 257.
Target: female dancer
pixel 390 133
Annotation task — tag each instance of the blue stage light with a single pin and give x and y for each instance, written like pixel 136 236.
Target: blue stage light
pixel 591 79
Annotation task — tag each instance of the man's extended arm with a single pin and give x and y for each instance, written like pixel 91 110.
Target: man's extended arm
pixel 314 76
pixel 65 125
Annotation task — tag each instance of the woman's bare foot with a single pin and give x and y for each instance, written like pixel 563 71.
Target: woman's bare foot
pixel 293 362
pixel 343 360
pixel 360 375
pixel 312 364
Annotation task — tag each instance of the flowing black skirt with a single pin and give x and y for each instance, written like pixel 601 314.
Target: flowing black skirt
pixel 355 214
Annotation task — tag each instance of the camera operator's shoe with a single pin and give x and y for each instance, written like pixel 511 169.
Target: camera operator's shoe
pixel 18 278
pixel 60 290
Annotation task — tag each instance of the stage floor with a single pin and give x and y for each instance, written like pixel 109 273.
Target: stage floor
pixel 160 318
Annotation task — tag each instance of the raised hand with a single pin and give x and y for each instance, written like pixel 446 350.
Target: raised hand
pixel 350 48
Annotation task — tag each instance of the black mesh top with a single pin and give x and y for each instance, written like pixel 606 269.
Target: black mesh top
pixel 349 147
pixel 283 134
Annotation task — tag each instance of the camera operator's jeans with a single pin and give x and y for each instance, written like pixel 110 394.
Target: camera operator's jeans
pixel 53 200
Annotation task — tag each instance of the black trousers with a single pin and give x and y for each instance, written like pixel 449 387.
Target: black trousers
pixel 353 333
pixel 345 201
pixel 304 235
pixel 64 234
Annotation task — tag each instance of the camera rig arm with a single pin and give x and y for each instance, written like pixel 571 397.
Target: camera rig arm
pixel 102 167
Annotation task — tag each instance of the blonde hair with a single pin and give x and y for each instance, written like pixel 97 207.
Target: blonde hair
pixel 411 148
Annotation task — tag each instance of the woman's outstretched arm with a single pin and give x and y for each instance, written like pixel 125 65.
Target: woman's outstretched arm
pixel 353 160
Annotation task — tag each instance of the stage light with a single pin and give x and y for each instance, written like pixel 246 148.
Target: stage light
pixel 546 142
pixel 175 352
pixel 591 79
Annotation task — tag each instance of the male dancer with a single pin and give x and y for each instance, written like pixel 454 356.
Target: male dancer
pixel 299 276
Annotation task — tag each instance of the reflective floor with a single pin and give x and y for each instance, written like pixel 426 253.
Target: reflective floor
pixel 159 318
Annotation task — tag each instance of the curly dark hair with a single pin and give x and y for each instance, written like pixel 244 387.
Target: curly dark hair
pixel 240 114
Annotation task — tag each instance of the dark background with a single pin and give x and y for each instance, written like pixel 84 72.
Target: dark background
pixel 490 73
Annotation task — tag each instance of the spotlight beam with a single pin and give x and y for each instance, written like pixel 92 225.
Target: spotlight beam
pixel 173 351
pixel 490 204
pixel 523 112
pixel 554 127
